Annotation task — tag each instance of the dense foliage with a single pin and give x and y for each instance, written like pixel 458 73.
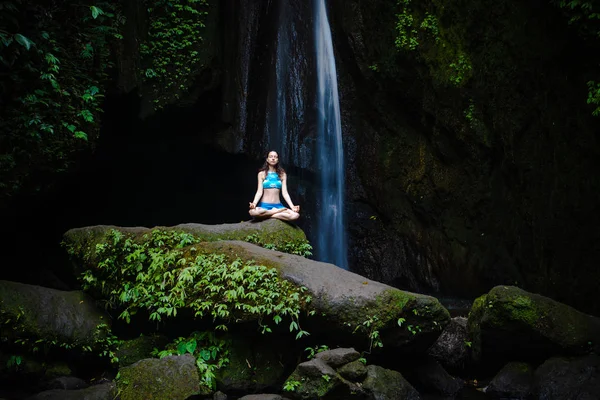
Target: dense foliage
pixel 171 54
pixel 164 273
pixel 54 64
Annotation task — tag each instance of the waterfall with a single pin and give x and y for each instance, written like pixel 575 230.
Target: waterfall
pixel 331 236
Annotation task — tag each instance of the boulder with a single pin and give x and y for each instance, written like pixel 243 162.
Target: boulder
pixel 348 306
pixel 429 375
pixel 451 349
pixel 354 371
pixel 514 381
pixel 386 384
pixel 345 303
pixel 561 378
pixel 509 323
pixel 81 242
pixel 134 350
pixel 172 377
pixel 67 383
pixel 262 397
pixel 256 364
pixel 65 318
pixel 105 391
pixel 338 357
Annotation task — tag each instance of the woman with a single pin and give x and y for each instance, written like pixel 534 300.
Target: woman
pixel 272 180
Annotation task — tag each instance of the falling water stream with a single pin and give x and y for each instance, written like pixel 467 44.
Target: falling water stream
pixel 331 238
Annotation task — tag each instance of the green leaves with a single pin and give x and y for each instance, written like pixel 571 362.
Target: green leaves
pixel 96 12
pixel 23 41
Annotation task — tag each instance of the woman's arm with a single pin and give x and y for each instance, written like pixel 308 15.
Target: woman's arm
pixel 286 195
pixel 259 190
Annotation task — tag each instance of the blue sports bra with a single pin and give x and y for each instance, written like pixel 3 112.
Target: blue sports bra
pixel 272 181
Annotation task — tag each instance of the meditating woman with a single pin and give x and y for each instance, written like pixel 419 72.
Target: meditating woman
pixel 272 180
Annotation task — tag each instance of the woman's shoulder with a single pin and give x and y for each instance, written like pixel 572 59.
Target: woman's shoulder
pixel 261 174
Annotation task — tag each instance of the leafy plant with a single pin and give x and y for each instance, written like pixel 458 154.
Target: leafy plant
pixel 312 351
pixel 171 54
pixel 291 385
pixel 211 354
pixel 163 273
pixel 303 248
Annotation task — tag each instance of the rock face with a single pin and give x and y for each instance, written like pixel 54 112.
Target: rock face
pixel 561 378
pixel 344 301
pixel 42 313
pixel 172 377
pixel 509 323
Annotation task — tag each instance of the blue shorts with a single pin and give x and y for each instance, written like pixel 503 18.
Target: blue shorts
pixel 270 206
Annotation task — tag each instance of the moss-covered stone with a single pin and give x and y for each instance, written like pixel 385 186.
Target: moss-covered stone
pixel 81 242
pixel 132 351
pixel 169 378
pixel 510 322
pixel 345 301
pixel 58 318
pixel 354 371
pixel 388 384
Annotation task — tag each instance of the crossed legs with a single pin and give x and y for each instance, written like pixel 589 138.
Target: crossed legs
pixel 284 214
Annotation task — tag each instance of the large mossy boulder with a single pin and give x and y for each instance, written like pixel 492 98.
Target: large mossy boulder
pixel 509 323
pixel 67 319
pixel 350 307
pixel 81 242
pixel 172 377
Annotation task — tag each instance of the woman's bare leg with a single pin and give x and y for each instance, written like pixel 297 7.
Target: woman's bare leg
pixel 263 213
pixel 286 215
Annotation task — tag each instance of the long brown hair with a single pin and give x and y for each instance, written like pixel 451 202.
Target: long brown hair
pixel 280 171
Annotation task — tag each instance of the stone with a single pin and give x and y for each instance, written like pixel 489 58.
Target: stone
pixel 451 349
pixel 338 357
pixel 386 384
pixel 509 323
pixel 558 378
pixel 53 315
pixel 171 377
pixel 105 391
pixel 354 371
pixel 514 380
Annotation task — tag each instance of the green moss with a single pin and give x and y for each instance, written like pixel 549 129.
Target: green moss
pixel 173 378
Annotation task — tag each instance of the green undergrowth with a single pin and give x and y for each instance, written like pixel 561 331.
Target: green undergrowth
pixel 164 273
pixel 300 248
pixel 210 351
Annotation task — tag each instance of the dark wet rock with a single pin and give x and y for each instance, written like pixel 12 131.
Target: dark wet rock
pixel 53 315
pixel 317 380
pixel 67 383
pixel 172 377
pixel 134 350
pixel 432 377
pixel 564 378
pixel 509 323
pixel 451 349
pixel 338 357
pixel 256 364
pixel 514 381
pixel 262 397
pixel 105 391
pixel 219 396
pixel 386 384
pixel 354 371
